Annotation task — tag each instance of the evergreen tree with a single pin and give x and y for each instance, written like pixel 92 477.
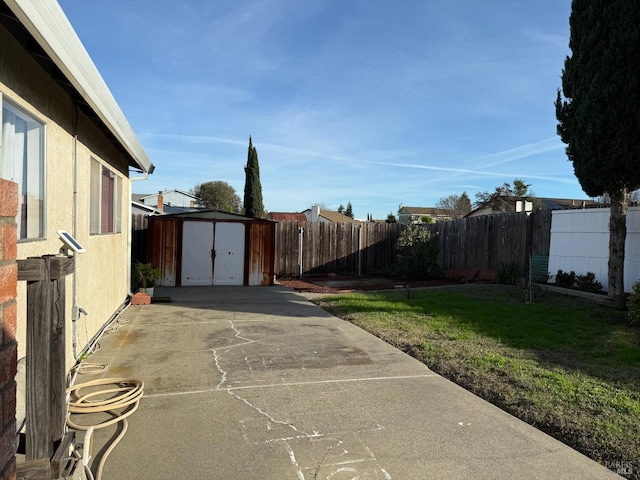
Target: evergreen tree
pixel 253 206
pixel 341 209
pixel 349 211
pixel 598 112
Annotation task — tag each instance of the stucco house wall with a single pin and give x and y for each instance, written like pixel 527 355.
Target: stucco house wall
pixel 102 274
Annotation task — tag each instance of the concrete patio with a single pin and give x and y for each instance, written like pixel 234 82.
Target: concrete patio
pixel 258 383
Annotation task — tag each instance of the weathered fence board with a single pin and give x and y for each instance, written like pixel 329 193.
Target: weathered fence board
pixel 45 387
pixel 487 241
pixel 139 228
pixel 370 247
pixel 341 248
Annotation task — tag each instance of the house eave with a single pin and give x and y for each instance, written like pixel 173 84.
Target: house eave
pixel 46 22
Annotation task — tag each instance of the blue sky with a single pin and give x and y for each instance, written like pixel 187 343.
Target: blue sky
pixel 368 101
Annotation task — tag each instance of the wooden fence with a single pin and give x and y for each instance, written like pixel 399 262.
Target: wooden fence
pixel 485 242
pixel 342 248
pixel 139 226
pixel 317 248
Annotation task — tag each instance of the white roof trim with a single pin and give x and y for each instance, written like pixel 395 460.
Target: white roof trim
pixel 47 23
pixel 143 206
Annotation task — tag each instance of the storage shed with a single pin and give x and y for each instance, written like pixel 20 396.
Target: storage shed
pixel 212 248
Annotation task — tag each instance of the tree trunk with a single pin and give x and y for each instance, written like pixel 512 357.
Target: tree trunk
pixel 617 238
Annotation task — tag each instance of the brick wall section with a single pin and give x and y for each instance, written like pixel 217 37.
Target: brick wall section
pixel 8 318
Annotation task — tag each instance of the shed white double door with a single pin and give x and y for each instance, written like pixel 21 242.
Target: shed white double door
pixel 212 253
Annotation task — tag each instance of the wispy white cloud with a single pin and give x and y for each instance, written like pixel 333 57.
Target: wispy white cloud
pixel 522 151
pixel 345 100
pixel 196 138
pixel 552 40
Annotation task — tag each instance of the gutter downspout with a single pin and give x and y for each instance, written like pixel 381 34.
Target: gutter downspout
pixel 75 310
pixel 146 174
pixel 144 177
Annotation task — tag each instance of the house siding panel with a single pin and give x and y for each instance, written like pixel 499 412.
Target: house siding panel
pixel 102 272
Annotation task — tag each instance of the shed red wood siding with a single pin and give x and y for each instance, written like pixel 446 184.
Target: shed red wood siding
pixel 164 240
pixel 261 241
pixel 165 248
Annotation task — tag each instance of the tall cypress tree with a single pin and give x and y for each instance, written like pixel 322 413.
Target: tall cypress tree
pixel 253 206
pixel 598 112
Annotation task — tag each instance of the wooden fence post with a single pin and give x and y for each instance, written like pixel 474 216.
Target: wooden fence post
pixel 39 297
pixel 45 389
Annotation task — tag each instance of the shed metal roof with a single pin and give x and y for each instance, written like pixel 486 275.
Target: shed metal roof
pixel 215 215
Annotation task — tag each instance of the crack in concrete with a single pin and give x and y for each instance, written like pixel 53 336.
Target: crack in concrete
pixel 299 433
pixel 242 399
pixel 321 462
pixel 270 417
pixel 226 349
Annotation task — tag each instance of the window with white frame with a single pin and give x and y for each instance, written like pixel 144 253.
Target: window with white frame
pixel 106 199
pixel 22 162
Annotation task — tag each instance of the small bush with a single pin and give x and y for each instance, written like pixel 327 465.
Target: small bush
pixel 508 272
pixel 633 304
pixel 418 252
pixel 566 279
pixel 145 275
pixel 588 283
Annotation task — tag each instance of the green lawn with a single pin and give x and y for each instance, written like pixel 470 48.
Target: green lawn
pixel 569 367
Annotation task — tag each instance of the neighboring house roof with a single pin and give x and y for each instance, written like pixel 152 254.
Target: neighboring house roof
pixel 331 216
pixel 568 203
pixel 137 197
pixel 165 192
pixel 337 217
pixel 420 210
pixel 550 203
pixel 413 214
pixel 284 216
pixel 141 208
pixel 172 209
pixel 483 210
pixel 66 59
pixel 173 190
